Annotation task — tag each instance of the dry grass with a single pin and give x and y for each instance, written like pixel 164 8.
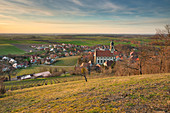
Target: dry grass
pixel 146 93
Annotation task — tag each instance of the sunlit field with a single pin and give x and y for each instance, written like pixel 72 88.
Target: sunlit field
pixel 145 93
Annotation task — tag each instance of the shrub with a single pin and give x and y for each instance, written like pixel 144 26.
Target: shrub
pixel 72 73
pixel 57 74
pixel 42 69
pixel 75 72
pixel 55 70
pixel 63 71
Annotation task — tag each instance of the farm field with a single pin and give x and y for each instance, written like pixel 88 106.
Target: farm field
pixel 144 93
pixel 72 39
pixel 23 41
pixel 89 42
pixel 6 49
pixel 67 61
pixel 14 85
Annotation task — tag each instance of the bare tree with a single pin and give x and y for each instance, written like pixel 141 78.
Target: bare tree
pixel 163 37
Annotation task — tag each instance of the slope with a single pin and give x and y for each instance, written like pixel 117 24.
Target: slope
pixel 146 93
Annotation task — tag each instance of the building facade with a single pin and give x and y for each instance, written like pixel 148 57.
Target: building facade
pixel 103 55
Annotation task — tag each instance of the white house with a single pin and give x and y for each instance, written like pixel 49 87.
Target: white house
pixel 26 77
pixel 42 74
pixel 11 61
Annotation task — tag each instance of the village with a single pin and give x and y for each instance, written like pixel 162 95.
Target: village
pixel 91 58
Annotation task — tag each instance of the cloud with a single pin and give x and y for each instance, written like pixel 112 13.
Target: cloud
pixel 8 17
pixel 98 13
pixel 111 7
pixel 77 2
pixel 22 7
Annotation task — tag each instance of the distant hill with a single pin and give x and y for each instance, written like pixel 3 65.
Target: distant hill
pixel 144 93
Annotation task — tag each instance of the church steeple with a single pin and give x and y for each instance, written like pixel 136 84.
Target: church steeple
pixel 112 46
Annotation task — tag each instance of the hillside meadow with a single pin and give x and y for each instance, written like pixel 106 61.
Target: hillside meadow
pixel 67 61
pixel 144 93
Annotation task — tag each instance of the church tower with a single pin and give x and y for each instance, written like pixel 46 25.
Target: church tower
pixel 112 47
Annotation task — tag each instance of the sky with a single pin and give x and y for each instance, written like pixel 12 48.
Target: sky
pixel 84 16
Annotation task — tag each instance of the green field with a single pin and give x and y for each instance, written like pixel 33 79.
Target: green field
pixel 78 40
pixel 91 42
pixel 67 61
pixel 145 93
pixel 6 49
pixel 6 41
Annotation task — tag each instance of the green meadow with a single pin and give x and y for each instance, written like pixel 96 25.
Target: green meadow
pixel 6 49
pixel 67 61
pixel 15 41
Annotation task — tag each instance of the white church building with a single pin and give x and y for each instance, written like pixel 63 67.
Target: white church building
pixel 103 55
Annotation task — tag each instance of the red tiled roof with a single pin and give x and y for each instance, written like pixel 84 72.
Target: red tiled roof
pixel 116 53
pixel 106 53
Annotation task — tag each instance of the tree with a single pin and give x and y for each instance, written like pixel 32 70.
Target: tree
pixel 83 72
pixel 2 86
pixel 163 37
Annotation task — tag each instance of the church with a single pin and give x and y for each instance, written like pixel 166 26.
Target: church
pixel 103 55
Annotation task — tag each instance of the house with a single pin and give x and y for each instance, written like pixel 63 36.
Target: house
pixel 33 61
pixel 26 77
pixel 11 61
pixel 20 65
pixel 23 77
pixel 42 74
pixel 5 58
pixel 103 55
pixel 14 65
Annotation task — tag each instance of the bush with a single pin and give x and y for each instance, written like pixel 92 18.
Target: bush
pixel 42 69
pixel 57 74
pixel 72 73
pixel 75 72
pixel 63 71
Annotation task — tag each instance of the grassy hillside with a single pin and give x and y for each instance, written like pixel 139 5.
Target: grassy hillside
pixel 6 49
pixel 146 93
pixel 67 61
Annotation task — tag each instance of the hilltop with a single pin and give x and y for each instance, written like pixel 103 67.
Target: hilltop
pixel 144 93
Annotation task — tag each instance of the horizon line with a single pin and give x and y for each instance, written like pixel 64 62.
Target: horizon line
pixel 83 33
